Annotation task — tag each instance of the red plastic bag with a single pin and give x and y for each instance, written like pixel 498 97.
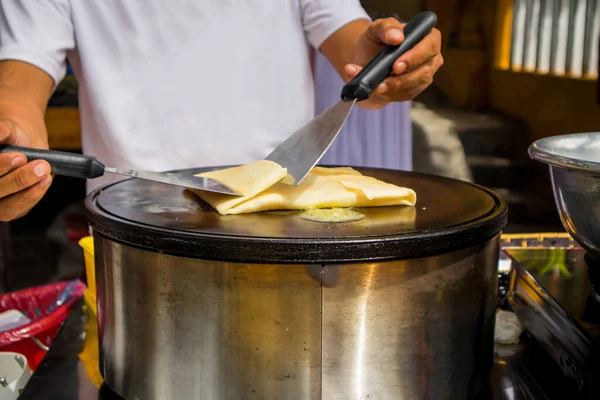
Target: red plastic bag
pixel 39 305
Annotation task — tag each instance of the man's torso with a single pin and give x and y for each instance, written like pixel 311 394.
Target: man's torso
pixel 166 85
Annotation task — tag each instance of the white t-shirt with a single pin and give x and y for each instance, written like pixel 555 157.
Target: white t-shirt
pixel 178 84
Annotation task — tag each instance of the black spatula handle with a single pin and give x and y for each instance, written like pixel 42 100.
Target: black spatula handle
pixel 380 67
pixel 62 163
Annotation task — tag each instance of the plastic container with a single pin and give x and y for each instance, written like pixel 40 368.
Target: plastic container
pixel 89 355
pixel 38 304
pixel 87 243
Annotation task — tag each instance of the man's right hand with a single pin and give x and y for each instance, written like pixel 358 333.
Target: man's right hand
pixel 22 183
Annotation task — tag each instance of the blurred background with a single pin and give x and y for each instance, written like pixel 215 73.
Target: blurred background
pixel 515 71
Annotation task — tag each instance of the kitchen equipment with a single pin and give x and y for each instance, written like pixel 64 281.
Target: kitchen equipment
pixel 86 167
pixel 32 340
pixel 399 305
pixel 552 293
pixel 521 372
pixel 574 164
pixel 542 314
pixel 89 294
pixel 304 148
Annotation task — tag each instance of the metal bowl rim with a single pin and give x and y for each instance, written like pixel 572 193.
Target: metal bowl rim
pixel 555 160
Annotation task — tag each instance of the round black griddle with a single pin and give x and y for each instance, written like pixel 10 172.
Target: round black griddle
pixel 449 215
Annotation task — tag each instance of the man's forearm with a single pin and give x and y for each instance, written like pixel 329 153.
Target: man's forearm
pixel 24 93
pixel 339 48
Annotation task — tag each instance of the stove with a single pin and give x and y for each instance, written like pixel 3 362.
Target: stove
pixel 528 370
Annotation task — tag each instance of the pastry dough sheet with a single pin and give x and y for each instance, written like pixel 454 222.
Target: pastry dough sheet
pixel 261 184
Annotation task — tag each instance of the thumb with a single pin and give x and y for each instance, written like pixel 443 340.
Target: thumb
pixel 351 70
pixel 386 31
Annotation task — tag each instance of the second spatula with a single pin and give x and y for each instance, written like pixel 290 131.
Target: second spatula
pixel 86 167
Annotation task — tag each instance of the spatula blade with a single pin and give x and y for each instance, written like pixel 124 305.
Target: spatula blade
pixel 177 179
pixel 303 149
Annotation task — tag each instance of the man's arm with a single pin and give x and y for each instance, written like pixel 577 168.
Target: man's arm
pixel 340 47
pixel 24 94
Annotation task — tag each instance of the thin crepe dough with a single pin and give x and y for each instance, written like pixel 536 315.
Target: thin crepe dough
pixel 260 182
pixel 249 180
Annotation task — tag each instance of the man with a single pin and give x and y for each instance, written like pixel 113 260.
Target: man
pixel 169 85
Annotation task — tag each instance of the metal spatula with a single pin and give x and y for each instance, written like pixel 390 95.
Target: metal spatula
pixel 86 167
pixel 304 148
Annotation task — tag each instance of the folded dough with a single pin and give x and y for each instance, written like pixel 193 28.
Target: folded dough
pixel 249 180
pixel 261 184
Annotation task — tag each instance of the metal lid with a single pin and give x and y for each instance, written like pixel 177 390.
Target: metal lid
pixel 450 215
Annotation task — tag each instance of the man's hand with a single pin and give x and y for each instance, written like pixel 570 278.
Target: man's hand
pixel 22 184
pixel 413 71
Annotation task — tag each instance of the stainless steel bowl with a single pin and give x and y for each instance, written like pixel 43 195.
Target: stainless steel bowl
pixel 574 162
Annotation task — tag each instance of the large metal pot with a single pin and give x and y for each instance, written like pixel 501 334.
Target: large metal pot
pixel 399 305
pixel 574 164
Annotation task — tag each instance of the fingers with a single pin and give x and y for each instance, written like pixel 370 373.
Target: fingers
pixel 399 67
pixel 10 162
pixel 24 177
pixel 351 70
pixel 386 31
pixel 403 87
pixel 422 76
pixel 423 52
pixel 22 184
pixel 19 204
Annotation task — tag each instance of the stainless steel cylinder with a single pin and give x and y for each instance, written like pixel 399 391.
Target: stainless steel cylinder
pixel 182 328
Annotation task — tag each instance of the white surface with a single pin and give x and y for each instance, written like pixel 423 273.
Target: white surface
pixel 14 369
pixel 169 85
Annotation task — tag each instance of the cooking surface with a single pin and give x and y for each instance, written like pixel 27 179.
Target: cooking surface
pixel 449 215
pixel 441 204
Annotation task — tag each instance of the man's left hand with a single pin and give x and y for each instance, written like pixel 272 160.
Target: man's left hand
pixel 412 72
